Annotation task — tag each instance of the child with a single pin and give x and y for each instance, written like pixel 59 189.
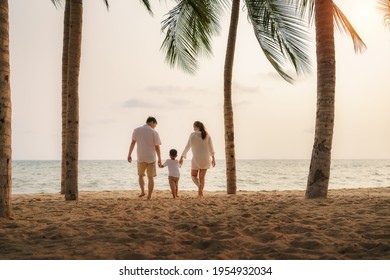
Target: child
pixel 174 173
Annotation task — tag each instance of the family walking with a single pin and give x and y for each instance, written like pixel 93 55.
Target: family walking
pixel 148 146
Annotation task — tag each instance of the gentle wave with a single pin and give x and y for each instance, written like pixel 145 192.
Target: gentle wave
pixel 252 175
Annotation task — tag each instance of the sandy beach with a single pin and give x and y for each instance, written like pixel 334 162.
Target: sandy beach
pixel 349 224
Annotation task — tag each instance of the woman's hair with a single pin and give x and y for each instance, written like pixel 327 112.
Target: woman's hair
pixel 202 129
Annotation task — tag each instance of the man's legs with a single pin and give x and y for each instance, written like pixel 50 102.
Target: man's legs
pixel 150 187
pixel 151 172
pixel 141 174
pixel 141 182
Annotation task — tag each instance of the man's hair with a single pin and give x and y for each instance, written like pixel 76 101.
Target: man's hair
pixel 151 119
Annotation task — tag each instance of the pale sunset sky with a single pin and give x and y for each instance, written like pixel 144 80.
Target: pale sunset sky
pixel 124 79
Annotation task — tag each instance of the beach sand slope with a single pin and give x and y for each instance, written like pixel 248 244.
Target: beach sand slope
pixel 349 224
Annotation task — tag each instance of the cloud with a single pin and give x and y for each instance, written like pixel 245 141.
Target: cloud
pixel 178 101
pixel 161 103
pixel 174 90
pixel 100 122
pixel 138 103
pixel 237 87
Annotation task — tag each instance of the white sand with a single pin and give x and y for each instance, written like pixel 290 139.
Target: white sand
pixel 349 224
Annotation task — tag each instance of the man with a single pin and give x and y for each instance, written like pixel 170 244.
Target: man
pixel 148 145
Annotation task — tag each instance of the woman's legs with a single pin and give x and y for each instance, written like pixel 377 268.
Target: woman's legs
pixel 202 175
pixel 194 177
pixel 199 182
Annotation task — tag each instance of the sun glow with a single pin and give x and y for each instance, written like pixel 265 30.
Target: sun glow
pixel 365 12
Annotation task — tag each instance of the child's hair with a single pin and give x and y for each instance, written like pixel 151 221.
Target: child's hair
pixel 173 153
pixel 202 129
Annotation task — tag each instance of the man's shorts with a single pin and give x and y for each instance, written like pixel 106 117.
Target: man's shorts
pixel 149 167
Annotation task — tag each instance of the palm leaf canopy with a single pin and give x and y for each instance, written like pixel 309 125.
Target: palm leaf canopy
pixel 282 35
pixel 189 27
pixel 147 6
pixel 341 21
pixel 384 6
pixel 58 3
pixel 191 24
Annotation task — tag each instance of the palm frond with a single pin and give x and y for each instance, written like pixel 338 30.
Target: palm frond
pixel 282 35
pixel 189 28
pixel 57 3
pixel 304 7
pixel 107 5
pixel 147 6
pixel 384 6
pixel 343 25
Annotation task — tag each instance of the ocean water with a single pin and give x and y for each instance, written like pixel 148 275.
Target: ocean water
pixel 252 175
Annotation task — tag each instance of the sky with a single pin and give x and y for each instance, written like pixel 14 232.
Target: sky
pixel 124 79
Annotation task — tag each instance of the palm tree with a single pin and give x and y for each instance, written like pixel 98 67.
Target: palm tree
pixel 72 116
pixel 69 162
pixel 64 92
pixel 326 13
pixel 280 33
pixel 230 152
pixel 5 116
pixel 384 6
pixel 64 97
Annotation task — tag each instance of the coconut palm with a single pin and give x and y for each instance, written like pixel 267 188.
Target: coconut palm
pixel 280 33
pixel 64 93
pixel 72 116
pixel 5 115
pixel 64 98
pixel 326 13
pixel 384 6
pixel 69 163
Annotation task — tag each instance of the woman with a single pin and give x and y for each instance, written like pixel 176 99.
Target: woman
pixel 202 149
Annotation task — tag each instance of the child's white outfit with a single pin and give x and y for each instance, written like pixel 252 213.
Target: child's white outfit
pixel 174 173
pixel 173 167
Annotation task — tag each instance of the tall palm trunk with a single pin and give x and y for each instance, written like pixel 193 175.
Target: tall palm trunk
pixel 64 97
pixel 318 179
pixel 72 134
pixel 227 105
pixel 5 116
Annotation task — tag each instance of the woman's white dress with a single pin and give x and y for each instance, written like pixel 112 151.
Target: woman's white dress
pixel 202 150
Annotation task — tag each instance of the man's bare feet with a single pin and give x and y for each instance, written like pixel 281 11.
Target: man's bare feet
pixel 141 195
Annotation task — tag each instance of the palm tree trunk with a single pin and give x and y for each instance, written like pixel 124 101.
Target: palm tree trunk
pixel 227 106
pixel 72 134
pixel 5 116
pixel 65 58
pixel 319 173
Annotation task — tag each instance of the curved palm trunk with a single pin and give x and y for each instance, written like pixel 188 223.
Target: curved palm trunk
pixel 227 106
pixel 72 133
pixel 65 58
pixel 5 116
pixel 318 180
